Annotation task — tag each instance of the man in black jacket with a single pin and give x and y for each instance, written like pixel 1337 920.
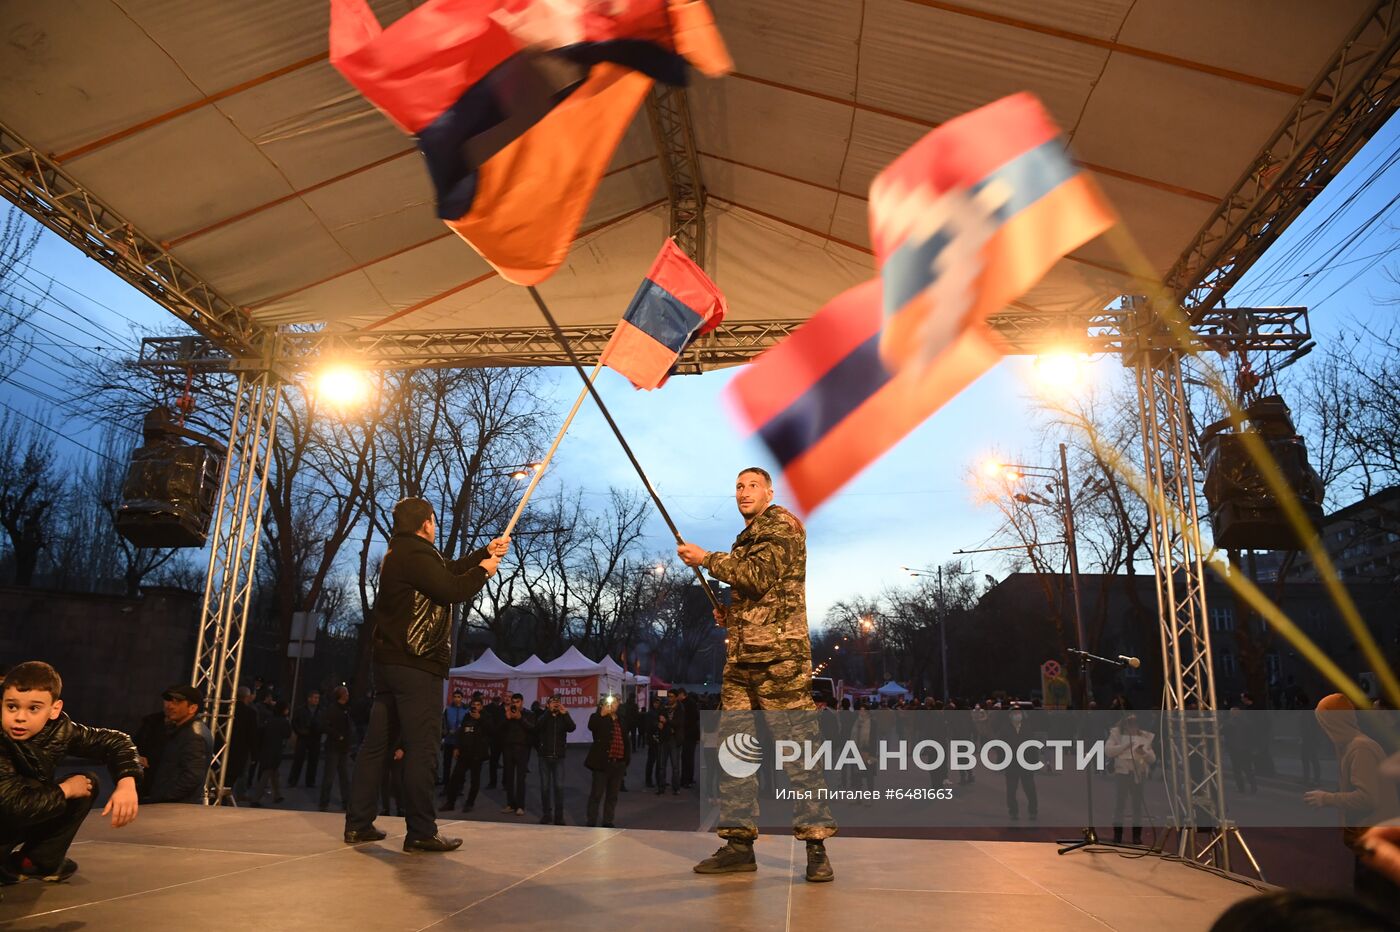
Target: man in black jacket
pixel 472 748
pixel 608 758
pixel 552 735
pixel 306 725
pixel 516 735
pixel 412 645
pixel 38 812
pixel 339 728
pixel 183 765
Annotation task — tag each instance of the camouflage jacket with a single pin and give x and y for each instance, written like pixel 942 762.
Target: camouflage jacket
pixel 767 570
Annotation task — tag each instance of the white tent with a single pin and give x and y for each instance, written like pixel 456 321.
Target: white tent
pixel 531 665
pixel 578 681
pixel 487 674
pixel 893 690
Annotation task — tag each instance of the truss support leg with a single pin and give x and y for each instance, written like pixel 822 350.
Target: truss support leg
pixel 1195 775
pixel 233 553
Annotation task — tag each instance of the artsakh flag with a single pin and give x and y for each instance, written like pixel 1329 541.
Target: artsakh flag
pixel 518 105
pixel 963 222
pixel 971 217
pixel 675 303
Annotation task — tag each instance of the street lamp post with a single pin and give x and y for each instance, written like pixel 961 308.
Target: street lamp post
pixel 1059 485
pixel 942 625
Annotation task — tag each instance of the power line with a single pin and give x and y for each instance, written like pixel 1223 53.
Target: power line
pixel 54 430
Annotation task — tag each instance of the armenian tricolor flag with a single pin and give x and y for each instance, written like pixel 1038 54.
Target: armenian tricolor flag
pixel 518 105
pixel 963 222
pixel 675 303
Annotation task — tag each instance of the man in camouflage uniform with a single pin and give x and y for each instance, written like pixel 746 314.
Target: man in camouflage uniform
pixel 768 668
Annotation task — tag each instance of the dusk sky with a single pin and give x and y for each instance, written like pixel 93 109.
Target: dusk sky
pixel 915 507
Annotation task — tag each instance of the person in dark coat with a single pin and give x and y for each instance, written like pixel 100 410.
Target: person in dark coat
pixel 687 722
pixel 472 750
pixel 631 718
pixel 306 726
pixel 495 715
pixel 242 740
pixel 516 735
pixel 551 736
pixel 608 758
pixel 338 727
pixel 39 813
pixel 412 648
pixel 667 751
pixel 187 749
pixel 1014 728
pixel 272 744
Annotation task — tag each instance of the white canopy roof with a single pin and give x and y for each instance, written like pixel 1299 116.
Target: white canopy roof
pixel 220 130
pixel 573 663
pixel 486 667
pixel 892 689
pixel 532 664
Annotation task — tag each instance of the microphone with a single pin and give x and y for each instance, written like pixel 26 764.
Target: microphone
pixel 1129 661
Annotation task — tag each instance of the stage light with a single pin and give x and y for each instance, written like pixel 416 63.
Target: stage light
pixel 1059 372
pixel 342 386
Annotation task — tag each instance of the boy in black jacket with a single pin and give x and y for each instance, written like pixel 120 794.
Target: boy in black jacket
pixel 37 812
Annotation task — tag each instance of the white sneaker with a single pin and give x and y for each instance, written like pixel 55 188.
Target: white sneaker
pixel 520 812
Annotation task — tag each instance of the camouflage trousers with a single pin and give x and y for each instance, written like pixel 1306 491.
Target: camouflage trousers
pixel 775 688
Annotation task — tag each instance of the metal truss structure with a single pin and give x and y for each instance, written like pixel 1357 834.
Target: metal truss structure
pixel 293 351
pixel 668 108
pixel 233 557
pixel 1343 107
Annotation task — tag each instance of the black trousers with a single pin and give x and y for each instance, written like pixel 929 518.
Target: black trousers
pixel 1025 779
pixel 688 763
pixel 407 707
pixel 495 764
pixel 461 768
pixel 337 771
pixel 651 763
pixel 606 783
pixel 307 752
pixel 516 758
pixel 46 843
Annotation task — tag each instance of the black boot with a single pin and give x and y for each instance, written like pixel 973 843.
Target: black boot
pixel 734 857
pixel 818 864
pixel 1137 836
pixel 1117 834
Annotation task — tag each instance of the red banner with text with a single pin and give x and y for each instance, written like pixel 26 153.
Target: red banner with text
pixel 575 692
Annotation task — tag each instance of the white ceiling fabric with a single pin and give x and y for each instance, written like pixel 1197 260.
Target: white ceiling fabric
pixel 219 129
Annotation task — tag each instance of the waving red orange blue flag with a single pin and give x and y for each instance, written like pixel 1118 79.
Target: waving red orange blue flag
pixel 675 304
pixel 963 222
pixel 518 105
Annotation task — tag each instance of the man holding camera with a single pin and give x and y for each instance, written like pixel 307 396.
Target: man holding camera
pixel 552 734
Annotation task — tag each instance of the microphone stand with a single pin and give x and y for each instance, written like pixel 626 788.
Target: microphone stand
pixel 1089 835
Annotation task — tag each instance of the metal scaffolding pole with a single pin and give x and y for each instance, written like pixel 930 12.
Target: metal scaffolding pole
pixel 233 555
pixel 1195 775
pixel 669 110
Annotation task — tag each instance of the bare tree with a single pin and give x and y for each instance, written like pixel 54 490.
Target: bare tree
pixel 31 486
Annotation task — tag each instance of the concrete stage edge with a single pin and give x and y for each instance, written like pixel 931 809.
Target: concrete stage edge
pixel 180 867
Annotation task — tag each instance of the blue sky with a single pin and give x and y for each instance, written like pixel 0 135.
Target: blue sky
pixel 914 507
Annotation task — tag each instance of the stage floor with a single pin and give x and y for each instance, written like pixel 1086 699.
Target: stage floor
pixel 238 869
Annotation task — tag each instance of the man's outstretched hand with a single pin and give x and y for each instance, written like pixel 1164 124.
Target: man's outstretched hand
pixel 691 555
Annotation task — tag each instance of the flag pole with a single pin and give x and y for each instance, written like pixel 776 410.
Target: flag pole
pixel 617 432
pixel 544 463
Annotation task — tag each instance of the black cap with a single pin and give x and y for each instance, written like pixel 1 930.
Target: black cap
pixel 186 692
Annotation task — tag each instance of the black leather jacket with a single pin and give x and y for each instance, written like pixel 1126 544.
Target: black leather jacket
pixel 28 792
pixel 412 624
pixel 552 733
pixel 179 775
